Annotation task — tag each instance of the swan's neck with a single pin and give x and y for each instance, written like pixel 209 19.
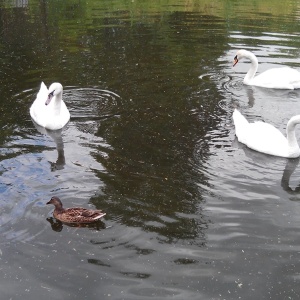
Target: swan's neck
pixel 57 103
pixel 253 68
pixel 290 132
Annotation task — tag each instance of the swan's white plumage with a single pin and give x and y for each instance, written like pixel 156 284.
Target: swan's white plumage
pixel 48 109
pixel 276 78
pixel 265 138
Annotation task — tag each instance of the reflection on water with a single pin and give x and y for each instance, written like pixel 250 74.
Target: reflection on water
pixel 290 166
pixel 289 169
pixel 58 140
pixel 151 90
pixel 26 155
pixel 57 225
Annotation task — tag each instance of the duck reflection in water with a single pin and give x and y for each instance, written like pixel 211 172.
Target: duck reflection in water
pixel 57 225
pixel 56 136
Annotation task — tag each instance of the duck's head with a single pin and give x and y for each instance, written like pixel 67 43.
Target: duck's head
pixel 56 202
pixel 54 89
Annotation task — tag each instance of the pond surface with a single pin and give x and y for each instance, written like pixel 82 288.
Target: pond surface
pixel 191 213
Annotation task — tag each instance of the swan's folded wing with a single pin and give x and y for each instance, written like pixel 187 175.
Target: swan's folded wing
pixel 240 122
pixel 278 78
pixel 264 137
pixel 38 106
pixel 43 93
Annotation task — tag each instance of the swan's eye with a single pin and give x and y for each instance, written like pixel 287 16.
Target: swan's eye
pixel 52 93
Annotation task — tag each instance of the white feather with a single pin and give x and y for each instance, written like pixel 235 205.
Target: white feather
pixel 51 115
pixel 276 78
pixel 265 138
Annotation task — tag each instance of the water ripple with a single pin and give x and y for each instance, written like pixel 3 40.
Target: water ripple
pixel 215 77
pixel 91 103
pixel 60 162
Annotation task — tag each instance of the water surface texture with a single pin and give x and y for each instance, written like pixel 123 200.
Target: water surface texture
pixel 191 213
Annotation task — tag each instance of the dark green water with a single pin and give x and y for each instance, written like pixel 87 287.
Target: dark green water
pixel 191 214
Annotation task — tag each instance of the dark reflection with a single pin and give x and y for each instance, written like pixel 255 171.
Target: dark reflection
pixel 276 93
pixel 57 225
pixel 56 135
pixel 250 95
pixel 157 169
pixel 251 92
pixel 140 251
pixel 150 175
pixel 185 261
pixel 289 169
pixel 152 179
pixel 97 262
pixel 136 275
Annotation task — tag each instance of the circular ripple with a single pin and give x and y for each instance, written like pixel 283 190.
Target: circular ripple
pixel 233 85
pixel 224 82
pixel 216 77
pixel 82 102
pixel 228 86
pixel 27 177
pixel 92 103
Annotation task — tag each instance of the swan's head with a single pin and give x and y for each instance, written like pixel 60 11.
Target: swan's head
pixel 239 55
pixel 54 89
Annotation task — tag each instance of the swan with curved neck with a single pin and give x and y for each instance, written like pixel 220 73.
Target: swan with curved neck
pixel 48 109
pixel 276 78
pixel 265 138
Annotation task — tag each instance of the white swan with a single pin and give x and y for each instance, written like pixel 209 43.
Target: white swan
pixel 265 138
pixel 48 109
pixel 276 78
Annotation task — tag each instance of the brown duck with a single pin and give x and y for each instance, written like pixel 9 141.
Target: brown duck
pixel 74 214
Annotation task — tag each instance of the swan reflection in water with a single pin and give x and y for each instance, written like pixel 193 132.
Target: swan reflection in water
pixel 290 167
pixel 56 135
pixel 57 225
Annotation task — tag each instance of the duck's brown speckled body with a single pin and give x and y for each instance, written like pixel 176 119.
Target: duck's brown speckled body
pixel 74 214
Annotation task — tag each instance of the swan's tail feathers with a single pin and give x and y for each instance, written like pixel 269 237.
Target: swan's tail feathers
pixel 43 86
pixel 43 93
pixel 240 122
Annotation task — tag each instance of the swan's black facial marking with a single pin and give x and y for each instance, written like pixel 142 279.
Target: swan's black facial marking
pixel 235 60
pixel 50 96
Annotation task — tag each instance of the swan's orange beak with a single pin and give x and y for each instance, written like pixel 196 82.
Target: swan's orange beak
pixel 235 61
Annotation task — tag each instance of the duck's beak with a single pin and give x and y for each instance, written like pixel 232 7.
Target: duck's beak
pixel 49 202
pixel 235 61
pixel 50 96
